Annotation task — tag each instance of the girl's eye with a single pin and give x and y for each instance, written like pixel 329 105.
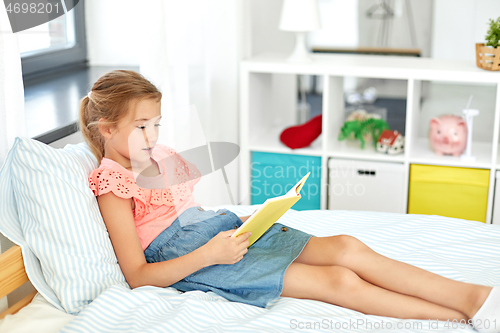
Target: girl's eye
pixel 141 127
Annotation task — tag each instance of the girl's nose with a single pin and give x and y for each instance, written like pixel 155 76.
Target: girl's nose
pixel 150 135
pixel 153 134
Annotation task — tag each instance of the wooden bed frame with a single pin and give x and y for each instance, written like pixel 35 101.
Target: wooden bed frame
pixel 12 276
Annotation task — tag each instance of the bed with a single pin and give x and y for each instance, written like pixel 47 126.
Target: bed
pixel 459 249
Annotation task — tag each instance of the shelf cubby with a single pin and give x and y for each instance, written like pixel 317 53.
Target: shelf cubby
pixel 335 112
pixel 450 98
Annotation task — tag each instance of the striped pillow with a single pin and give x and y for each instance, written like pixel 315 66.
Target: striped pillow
pixel 48 209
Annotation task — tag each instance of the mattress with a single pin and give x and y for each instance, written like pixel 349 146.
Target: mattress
pixel 463 250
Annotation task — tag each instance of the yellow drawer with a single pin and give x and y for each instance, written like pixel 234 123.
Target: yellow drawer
pixel 448 191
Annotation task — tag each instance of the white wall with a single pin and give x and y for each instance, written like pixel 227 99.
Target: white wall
pixel 456 26
pixel 113 32
pixel 264 33
pixel 459 25
pixel 339 24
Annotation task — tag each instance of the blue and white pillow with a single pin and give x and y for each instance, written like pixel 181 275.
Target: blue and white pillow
pixel 47 208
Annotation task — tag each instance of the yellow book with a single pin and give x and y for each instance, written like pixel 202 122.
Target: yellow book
pixel 270 211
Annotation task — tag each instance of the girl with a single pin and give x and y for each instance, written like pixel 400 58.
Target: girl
pixel 161 237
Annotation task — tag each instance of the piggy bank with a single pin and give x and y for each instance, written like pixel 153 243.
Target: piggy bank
pixel 448 135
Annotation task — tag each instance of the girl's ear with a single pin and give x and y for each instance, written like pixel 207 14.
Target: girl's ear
pixel 105 128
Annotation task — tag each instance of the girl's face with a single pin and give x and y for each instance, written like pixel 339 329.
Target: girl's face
pixel 132 141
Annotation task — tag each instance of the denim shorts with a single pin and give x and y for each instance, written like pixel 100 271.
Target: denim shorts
pixel 257 279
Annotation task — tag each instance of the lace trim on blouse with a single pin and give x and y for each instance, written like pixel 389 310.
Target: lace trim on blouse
pixel 112 177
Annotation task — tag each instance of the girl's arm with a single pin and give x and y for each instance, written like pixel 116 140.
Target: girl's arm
pixel 244 218
pixel 119 220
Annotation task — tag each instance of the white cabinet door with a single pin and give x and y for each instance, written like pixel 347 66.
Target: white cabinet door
pixel 368 186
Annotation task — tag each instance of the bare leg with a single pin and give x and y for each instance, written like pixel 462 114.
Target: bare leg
pixel 341 286
pixel 349 252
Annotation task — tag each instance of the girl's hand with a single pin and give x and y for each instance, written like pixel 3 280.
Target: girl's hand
pixel 222 249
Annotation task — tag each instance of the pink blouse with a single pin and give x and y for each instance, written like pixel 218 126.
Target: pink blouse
pixel 155 209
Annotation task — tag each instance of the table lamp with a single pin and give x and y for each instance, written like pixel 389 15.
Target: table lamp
pixel 300 16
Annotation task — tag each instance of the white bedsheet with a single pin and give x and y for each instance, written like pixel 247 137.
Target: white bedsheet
pixel 462 250
pixel 39 316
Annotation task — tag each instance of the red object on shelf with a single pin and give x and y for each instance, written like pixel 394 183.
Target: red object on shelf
pixel 303 135
pixel 391 142
pixel 388 137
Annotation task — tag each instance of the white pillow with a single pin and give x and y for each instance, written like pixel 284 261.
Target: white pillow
pixel 47 207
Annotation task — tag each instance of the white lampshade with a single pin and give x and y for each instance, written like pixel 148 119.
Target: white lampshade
pixel 300 15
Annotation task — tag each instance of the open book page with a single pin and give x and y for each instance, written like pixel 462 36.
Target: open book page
pixel 270 211
pixel 296 189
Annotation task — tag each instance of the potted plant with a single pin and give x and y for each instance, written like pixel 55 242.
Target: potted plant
pixel 488 56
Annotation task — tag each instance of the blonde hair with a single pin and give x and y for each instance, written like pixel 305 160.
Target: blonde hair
pixel 110 98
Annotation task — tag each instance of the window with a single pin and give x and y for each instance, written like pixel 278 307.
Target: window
pixel 57 34
pixel 60 43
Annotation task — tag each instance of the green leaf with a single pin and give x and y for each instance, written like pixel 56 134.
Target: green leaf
pixel 493 35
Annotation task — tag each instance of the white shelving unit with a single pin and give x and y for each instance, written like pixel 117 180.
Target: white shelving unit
pixel 268 105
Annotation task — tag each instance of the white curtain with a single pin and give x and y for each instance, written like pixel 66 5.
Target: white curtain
pixel 12 122
pixel 191 51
